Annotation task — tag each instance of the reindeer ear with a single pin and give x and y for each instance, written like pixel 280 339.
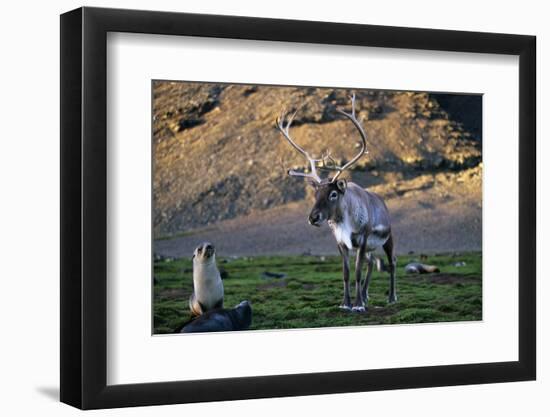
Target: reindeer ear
pixel 341 184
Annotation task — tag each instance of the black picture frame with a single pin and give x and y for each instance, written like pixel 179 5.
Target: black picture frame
pixel 84 207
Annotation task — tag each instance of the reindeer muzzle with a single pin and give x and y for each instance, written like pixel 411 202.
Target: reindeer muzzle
pixel 315 219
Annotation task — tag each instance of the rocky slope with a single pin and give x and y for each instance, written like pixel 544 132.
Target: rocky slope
pixel 217 155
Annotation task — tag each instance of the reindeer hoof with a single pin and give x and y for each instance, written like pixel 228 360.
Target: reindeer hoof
pixel 359 309
pixel 345 307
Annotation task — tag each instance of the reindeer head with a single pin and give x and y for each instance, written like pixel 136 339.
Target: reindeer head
pixel 330 191
pixel 327 202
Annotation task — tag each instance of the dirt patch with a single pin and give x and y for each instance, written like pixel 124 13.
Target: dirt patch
pixel 383 311
pixel 172 293
pixel 443 278
pixel 273 284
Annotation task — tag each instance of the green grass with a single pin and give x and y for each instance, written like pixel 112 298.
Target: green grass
pixel 312 290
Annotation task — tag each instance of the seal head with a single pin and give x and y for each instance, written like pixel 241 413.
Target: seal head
pixel 204 253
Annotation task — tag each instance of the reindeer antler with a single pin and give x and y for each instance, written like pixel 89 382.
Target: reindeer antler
pixel 327 160
pixel 284 129
pixel 351 116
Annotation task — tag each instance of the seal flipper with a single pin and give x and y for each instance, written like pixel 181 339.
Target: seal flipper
pixel 241 316
pixel 195 306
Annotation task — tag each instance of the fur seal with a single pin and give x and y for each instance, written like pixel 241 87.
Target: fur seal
pixel 207 283
pixel 418 268
pixel 222 320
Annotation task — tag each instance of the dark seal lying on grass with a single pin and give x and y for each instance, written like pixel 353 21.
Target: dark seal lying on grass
pixel 222 320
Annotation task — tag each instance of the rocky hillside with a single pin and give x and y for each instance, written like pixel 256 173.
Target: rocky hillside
pixel 218 156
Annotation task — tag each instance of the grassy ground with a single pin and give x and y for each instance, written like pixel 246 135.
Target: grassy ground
pixel 310 293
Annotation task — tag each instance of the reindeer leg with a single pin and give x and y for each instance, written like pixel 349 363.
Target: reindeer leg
pixel 359 305
pixel 370 267
pixel 346 303
pixel 392 262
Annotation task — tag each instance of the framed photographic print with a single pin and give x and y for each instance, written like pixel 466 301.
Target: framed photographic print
pixel 258 208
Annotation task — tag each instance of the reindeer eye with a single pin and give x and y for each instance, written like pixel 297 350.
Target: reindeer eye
pixel 333 195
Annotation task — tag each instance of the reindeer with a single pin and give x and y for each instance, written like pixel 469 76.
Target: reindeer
pixel 359 219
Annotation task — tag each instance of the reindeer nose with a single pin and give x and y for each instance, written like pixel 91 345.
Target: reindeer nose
pixel 315 218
